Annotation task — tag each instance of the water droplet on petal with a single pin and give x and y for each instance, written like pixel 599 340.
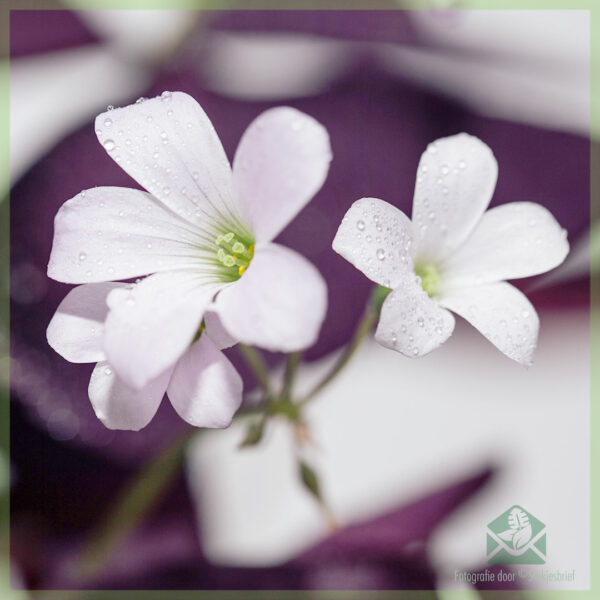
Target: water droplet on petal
pixel 108 371
pixel 166 96
pixel 110 107
pixel 381 254
pixel 109 145
pixel 107 122
pixel 82 256
pixel 360 225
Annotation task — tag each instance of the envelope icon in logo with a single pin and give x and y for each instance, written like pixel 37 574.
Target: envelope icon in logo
pixel 516 537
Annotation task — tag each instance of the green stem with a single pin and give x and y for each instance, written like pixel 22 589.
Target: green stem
pixel 364 327
pixel 256 362
pixel 291 369
pixel 133 504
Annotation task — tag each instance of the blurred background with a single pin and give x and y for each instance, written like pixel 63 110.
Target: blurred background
pixel 414 457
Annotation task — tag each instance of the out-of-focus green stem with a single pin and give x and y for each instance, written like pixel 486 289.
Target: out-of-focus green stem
pixel 131 507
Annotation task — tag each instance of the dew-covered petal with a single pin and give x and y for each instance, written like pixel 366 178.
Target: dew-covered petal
pixel 217 333
pixel 150 325
pixel 76 328
pixel 205 389
pixel 121 407
pixel 280 164
pixel 411 322
pixel 278 304
pixel 109 233
pixel 377 239
pixel 456 178
pixel 502 313
pixel 169 146
pixel 514 240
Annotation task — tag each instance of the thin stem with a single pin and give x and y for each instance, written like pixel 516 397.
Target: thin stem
pixel 256 362
pixel 133 504
pixel 361 332
pixel 291 369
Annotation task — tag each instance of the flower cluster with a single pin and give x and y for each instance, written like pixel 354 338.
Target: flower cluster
pixel 200 238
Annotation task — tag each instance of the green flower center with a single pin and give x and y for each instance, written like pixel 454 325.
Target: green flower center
pixel 430 279
pixel 234 252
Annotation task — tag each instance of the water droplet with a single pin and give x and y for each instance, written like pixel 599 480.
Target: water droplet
pixel 107 122
pixel 360 225
pixel 439 330
pixel 445 169
pixel 108 371
pixel 109 145
pixel 381 254
pixel 415 351
pixel 394 338
pixel 82 256
pixel 140 100
pixel 420 322
pixel 431 216
pixel 403 328
pixel 130 301
pixel 149 118
pixel 166 190
pixel 110 107
pixel 169 113
pixel 166 96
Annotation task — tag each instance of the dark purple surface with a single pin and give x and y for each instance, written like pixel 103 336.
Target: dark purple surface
pixel 393 26
pixel 37 31
pixel 379 126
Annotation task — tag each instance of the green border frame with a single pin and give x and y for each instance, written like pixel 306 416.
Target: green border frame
pixel 593 6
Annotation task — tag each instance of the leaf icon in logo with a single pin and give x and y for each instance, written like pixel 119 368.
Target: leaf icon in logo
pixel 522 536
pixel 508 535
pixel 517 519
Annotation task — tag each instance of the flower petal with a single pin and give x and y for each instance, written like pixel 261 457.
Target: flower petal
pixel 280 164
pixel 511 241
pixel 109 233
pixel 411 322
pixel 278 304
pixel 76 328
pixel 377 239
pixel 502 313
pixel 217 333
pixel 456 178
pixel 205 388
pixel 150 325
pixel 120 407
pixel 169 146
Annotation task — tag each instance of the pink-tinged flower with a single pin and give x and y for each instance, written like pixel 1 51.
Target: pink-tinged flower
pixel 453 256
pixel 202 233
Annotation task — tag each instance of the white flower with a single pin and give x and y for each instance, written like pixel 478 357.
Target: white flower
pixel 452 255
pixel 203 235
